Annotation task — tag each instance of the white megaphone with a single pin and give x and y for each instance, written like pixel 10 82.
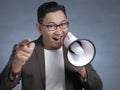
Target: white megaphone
pixel 80 52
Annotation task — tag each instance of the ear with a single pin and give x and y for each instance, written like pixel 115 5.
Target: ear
pixel 38 26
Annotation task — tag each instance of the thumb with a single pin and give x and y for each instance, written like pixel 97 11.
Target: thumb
pixel 31 45
pixel 25 42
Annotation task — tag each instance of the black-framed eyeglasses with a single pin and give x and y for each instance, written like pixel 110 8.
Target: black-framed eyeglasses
pixel 53 26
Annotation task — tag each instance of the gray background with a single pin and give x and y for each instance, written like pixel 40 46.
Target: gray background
pixel 97 20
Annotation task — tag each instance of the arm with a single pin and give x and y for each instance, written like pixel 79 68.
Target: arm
pixel 5 82
pixel 12 72
pixel 90 78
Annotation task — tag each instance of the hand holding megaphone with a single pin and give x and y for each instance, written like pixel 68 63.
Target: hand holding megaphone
pixel 80 52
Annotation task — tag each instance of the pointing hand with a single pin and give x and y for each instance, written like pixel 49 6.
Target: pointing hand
pixel 23 52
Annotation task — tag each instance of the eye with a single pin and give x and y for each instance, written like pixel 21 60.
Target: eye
pixel 64 24
pixel 50 26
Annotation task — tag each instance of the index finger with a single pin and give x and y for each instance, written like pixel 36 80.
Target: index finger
pixel 25 42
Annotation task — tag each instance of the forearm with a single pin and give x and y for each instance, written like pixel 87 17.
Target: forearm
pixel 5 82
pixel 93 81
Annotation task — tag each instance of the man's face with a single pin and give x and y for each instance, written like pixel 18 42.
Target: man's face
pixel 53 38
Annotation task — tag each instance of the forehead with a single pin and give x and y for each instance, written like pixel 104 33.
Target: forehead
pixel 55 17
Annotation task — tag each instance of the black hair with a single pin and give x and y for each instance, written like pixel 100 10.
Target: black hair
pixel 47 8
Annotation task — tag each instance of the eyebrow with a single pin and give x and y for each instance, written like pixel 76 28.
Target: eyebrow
pixel 56 23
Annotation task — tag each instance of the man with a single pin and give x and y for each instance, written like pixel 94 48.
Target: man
pixel 42 64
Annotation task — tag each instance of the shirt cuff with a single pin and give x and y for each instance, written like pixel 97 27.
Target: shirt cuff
pixel 13 76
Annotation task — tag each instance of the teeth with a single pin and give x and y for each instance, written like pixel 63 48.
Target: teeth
pixel 57 38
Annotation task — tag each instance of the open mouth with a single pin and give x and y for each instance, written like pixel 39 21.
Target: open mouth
pixel 58 38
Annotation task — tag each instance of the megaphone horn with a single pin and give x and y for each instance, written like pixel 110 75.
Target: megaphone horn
pixel 80 52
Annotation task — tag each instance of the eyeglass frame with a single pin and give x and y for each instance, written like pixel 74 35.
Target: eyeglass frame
pixel 56 25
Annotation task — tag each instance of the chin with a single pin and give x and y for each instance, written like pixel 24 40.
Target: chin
pixel 57 47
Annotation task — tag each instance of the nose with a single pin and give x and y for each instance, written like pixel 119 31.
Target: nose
pixel 58 31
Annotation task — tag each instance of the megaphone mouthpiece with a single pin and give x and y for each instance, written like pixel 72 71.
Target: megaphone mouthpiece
pixel 69 39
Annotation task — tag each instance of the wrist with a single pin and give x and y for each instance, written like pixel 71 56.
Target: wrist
pixel 85 78
pixel 13 76
pixel 15 67
pixel 81 71
pixel 83 74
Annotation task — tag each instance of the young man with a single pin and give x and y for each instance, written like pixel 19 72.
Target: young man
pixel 42 64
